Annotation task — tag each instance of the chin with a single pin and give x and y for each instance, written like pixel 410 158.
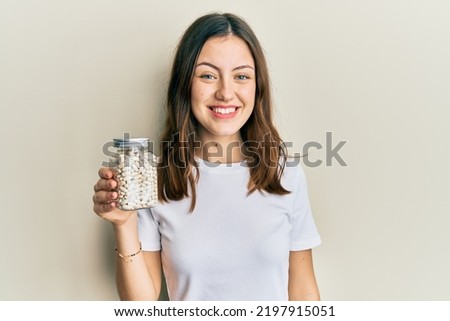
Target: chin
pixel 226 133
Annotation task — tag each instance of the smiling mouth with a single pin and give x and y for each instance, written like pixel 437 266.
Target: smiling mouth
pixel 223 110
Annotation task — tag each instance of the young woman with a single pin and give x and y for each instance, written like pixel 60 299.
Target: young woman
pixel 234 220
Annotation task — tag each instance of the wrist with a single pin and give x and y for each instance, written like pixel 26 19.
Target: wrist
pixel 126 234
pixel 126 225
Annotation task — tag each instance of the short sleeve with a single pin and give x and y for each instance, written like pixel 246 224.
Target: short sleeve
pixel 148 230
pixel 304 234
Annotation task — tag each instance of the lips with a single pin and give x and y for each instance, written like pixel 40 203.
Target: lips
pixel 228 111
pixel 223 111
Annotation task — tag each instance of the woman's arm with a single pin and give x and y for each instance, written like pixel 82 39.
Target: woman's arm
pixel 302 281
pixel 140 277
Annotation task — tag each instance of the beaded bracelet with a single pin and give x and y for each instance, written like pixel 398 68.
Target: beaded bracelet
pixel 127 258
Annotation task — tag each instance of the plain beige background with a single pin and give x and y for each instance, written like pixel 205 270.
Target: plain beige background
pixel 75 74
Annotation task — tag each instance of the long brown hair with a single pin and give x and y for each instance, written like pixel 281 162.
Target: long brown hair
pixel 265 150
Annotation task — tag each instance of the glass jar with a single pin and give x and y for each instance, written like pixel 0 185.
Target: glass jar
pixel 134 169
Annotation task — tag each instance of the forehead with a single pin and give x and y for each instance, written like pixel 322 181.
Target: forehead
pixel 226 50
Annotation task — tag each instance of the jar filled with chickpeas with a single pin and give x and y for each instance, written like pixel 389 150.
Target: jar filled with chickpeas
pixel 134 168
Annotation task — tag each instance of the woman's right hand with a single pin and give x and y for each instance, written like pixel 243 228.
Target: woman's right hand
pixel 105 198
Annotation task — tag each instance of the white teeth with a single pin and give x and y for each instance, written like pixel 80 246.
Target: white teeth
pixel 224 111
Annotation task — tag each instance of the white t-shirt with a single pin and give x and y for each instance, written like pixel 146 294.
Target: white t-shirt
pixel 233 246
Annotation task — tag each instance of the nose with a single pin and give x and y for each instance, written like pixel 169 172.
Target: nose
pixel 224 91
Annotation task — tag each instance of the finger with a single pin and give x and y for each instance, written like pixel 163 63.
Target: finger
pixel 104 208
pixel 105 185
pixel 104 197
pixel 105 172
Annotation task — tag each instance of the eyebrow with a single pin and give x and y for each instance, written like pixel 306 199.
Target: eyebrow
pixel 217 68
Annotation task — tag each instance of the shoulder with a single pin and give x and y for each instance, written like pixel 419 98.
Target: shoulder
pixel 293 176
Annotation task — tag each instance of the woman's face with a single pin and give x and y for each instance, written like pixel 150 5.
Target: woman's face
pixel 223 89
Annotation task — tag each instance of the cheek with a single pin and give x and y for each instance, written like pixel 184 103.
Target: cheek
pixel 249 95
pixel 198 93
pixel 194 92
